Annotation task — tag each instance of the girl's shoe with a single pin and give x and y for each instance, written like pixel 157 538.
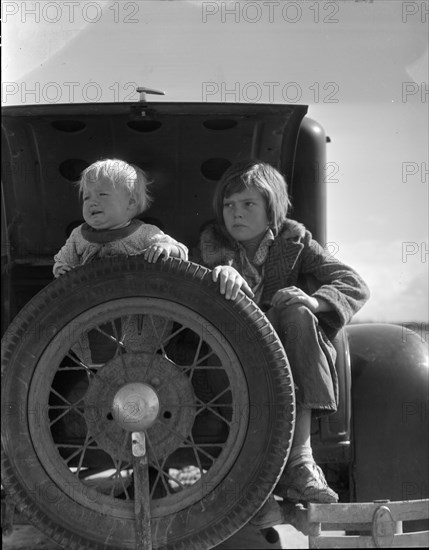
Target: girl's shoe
pixel 305 482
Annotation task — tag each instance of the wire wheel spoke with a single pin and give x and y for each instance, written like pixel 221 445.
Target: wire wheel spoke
pixel 119 465
pixel 89 443
pixel 201 448
pixel 66 408
pixel 111 337
pixel 80 365
pixel 194 447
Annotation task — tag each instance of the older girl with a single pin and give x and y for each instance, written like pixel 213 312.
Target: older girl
pixel 307 294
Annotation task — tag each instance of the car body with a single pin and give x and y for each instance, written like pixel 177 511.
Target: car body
pixel 375 445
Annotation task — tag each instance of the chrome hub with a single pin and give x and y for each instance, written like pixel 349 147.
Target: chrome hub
pixel 135 407
pixel 140 392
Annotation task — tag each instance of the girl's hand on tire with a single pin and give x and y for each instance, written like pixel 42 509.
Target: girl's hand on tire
pixel 230 282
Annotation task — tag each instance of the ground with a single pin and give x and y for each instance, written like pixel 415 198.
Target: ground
pixel 26 537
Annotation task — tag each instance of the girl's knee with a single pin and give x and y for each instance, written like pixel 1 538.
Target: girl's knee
pixel 294 323
pixel 296 313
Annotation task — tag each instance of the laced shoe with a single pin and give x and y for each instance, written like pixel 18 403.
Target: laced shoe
pixel 306 482
pixel 269 515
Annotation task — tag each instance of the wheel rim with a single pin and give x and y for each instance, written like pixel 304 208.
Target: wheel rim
pixel 91 413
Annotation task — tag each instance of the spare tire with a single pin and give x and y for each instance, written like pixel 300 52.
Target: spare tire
pixel 73 362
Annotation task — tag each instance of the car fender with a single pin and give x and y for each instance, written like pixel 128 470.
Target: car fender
pixel 389 412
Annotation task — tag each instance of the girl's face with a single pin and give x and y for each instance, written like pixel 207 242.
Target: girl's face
pixel 106 206
pixel 245 214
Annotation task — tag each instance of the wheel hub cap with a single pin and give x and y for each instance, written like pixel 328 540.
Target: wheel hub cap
pixel 135 407
pixel 136 392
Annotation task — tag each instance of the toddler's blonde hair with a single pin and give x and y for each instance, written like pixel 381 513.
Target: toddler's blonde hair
pixel 120 173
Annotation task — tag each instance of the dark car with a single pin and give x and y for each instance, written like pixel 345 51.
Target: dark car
pixel 72 460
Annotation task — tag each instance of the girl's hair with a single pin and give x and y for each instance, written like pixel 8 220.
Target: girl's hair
pixel 121 174
pixel 266 179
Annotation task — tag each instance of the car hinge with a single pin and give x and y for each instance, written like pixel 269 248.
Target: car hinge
pixel 139 109
pixel 143 91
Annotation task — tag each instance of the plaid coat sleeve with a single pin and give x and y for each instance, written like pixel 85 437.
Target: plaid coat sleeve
pixel 296 259
pixel 337 283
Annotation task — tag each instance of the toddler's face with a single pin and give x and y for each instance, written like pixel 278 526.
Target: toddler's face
pixel 245 214
pixel 106 206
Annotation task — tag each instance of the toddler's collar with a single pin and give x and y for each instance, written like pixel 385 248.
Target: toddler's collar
pixel 109 235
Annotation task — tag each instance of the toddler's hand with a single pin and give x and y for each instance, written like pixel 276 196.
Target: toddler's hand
pixel 294 295
pixel 230 282
pixel 62 270
pixel 154 251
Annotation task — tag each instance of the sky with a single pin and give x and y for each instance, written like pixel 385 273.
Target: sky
pixel 360 65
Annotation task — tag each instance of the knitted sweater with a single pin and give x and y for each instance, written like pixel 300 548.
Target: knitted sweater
pixel 85 244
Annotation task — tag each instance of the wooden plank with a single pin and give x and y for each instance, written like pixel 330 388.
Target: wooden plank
pixel 360 527
pixel 418 539
pixel 362 512
pixel 408 540
pixel 341 542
